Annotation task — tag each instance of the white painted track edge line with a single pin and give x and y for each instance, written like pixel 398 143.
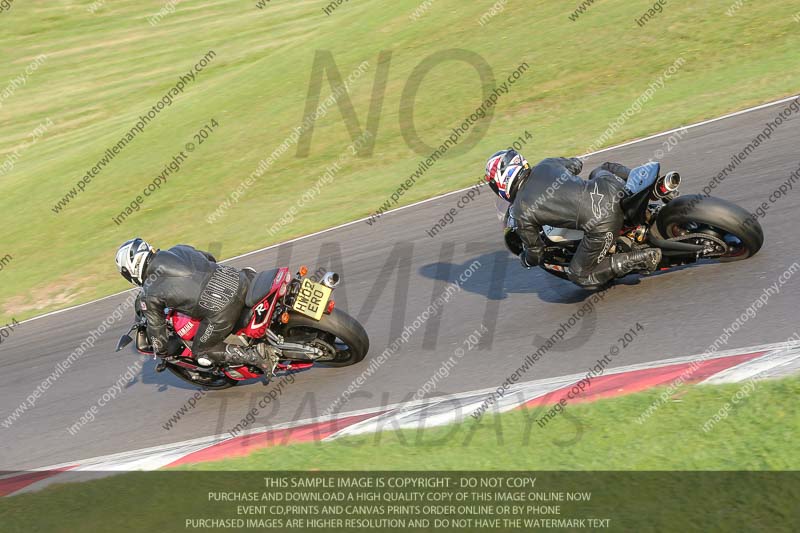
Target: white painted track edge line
pixel 212 440
pixel 346 224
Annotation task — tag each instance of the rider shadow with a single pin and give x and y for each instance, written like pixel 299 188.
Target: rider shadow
pixel 163 380
pixel 500 275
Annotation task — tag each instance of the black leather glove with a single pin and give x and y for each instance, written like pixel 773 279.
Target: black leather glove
pixel 574 165
pixel 513 241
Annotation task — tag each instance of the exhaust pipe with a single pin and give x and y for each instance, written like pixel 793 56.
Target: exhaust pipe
pixel 667 185
pixel 330 280
pixel 672 181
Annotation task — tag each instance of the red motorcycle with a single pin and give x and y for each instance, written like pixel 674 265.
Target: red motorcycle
pixel 295 315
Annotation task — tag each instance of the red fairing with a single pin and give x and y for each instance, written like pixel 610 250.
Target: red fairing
pixel 294 366
pixel 244 372
pixel 263 310
pixel 185 326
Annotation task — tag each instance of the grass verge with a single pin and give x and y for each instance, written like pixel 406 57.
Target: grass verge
pixel 758 434
pixel 106 65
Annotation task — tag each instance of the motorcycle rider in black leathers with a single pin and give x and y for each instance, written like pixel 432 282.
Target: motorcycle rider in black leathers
pixel 552 194
pixel 191 282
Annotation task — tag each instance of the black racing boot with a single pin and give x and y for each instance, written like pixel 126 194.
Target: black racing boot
pixel 261 355
pixel 645 261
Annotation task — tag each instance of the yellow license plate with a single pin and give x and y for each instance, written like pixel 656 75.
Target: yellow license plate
pixel 312 299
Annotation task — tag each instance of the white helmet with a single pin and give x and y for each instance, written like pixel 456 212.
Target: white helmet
pixel 132 259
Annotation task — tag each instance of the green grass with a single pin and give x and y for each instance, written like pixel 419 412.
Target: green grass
pixel 759 434
pixel 105 69
pixel 603 435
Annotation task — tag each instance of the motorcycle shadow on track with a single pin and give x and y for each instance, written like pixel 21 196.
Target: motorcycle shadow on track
pixel 500 275
pixel 165 380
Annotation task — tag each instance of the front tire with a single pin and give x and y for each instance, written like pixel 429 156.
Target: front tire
pixel 343 333
pixel 695 213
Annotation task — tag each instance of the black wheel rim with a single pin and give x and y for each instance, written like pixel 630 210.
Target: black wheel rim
pixel 334 349
pixel 735 245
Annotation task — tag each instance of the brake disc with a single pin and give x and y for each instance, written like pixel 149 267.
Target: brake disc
pixel 329 351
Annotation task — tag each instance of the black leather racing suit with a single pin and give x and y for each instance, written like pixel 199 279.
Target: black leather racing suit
pixel 190 281
pixel 553 195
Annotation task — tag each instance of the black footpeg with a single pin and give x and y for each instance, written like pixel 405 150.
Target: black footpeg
pixel 161 366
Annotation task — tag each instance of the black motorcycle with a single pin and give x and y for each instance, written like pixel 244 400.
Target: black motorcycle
pixel 686 228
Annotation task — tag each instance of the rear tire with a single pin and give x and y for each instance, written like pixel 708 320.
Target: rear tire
pixel 339 330
pixel 695 213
